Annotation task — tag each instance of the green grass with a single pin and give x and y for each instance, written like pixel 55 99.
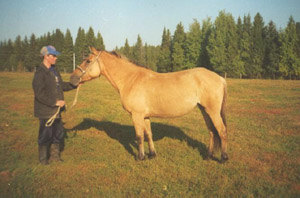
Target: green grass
pixel 99 156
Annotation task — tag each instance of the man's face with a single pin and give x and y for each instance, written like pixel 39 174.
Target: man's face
pixel 51 59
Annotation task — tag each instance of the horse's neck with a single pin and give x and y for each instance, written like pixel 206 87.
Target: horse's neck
pixel 118 72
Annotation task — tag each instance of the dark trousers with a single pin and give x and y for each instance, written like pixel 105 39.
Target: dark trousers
pixel 53 134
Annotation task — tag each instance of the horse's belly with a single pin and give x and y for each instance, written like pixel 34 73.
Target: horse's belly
pixel 172 108
pixel 168 99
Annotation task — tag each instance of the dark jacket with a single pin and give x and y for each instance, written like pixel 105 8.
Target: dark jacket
pixel 46 91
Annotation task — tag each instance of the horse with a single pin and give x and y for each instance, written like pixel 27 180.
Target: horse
pixel 145 94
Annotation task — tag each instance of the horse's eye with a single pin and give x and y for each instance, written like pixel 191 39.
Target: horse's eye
pixel 88 61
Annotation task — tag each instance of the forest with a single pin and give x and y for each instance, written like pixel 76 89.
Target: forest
pixel 242 48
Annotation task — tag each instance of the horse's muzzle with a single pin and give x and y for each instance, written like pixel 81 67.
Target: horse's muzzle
pixel 75 80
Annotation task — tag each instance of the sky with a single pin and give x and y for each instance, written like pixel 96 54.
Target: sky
pixel 117 20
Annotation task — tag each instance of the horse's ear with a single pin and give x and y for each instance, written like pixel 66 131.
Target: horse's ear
pixel 93 50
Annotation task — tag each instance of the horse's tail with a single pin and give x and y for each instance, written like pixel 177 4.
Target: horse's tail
pixel 223 107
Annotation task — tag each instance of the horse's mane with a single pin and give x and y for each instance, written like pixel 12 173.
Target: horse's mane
pixel 116 54
pixel 119 55
pixel 122 56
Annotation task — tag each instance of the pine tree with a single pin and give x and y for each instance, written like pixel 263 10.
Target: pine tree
pixel 32 58
pixel 58 40
pixel 58 43
pixel 177 48
pixel 245 45
pixel 298 36
pixel 240 43
pixel 44 41
pixel 10 60
pixel 26 47
pixel 49 40
pixel 151 57
pixel 289 64
pixel 164 58
pixel 127 50
pixel 90 38
pixel 99 42
pixel 2 55
pixel 177 57
pixel 193 45
pixel 223 46
pixel 80 46
pixel 271 60
pixel 66 57
pixel 138 52
pixel 217 51
pixel 239 27
pixel 19 53
pixel 258 47
pixel 204 59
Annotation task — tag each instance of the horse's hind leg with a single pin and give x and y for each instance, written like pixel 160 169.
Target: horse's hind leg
pixel 222 131
pixel 212 132
pixel 148 133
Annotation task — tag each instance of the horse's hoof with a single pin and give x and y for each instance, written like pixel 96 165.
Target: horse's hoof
pixel 151 155
pixel 224 158
pixel 140 157
pixel 210 157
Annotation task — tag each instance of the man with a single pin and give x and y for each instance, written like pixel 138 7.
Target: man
pixel 48 89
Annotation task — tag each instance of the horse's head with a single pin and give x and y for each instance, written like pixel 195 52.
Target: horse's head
pixel 88 69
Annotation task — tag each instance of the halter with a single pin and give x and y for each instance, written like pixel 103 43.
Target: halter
pixel 84 71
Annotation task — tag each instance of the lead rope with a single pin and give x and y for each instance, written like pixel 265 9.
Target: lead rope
pixel 76 96
pixel 51 120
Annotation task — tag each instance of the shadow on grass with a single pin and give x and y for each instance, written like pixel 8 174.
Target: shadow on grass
pixel 125 134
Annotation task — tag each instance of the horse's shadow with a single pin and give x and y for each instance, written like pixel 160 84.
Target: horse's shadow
pixel 125 134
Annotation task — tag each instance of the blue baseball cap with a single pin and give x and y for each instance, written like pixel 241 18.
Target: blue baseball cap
pixel 46 50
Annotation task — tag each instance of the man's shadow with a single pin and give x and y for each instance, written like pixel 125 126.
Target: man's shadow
pixel 125 134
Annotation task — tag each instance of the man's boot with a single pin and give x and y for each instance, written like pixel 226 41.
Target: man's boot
pixel 55 153
pixel 43 152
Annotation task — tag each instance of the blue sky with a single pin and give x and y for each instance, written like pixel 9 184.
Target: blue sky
pixel 117 20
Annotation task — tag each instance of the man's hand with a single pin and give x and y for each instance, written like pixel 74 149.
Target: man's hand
pixel 60 103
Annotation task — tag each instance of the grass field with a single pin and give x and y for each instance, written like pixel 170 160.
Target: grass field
pixel 99 156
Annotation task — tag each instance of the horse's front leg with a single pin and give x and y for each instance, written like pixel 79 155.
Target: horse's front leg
pixel 139 125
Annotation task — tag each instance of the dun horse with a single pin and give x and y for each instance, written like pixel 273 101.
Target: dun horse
pixel 146 94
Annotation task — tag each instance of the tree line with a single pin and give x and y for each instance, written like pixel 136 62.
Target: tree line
pixel 24 55
pixel 237 49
